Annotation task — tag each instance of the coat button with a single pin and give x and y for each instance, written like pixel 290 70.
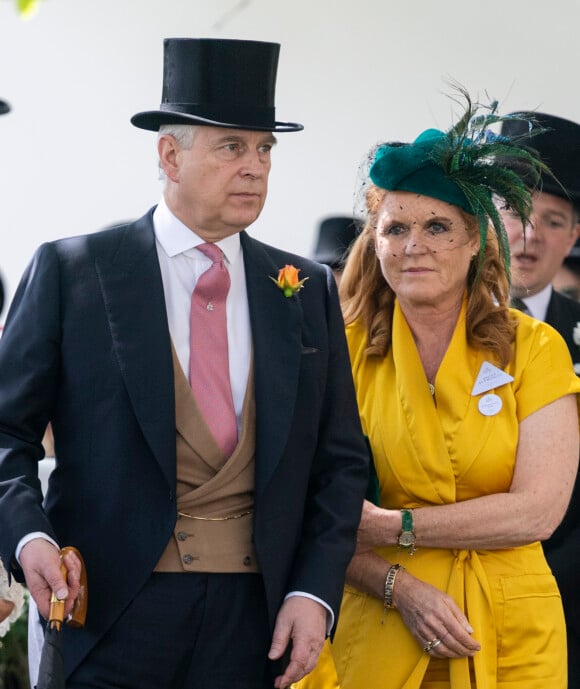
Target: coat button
pixel 247 561
pixel 181 536
pixel 188 559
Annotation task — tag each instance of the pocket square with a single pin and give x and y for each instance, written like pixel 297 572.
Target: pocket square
pixel 309 350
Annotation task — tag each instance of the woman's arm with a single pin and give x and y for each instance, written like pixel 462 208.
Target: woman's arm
pixel 545 469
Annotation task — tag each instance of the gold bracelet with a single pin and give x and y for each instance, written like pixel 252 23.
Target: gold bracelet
pixel 390 585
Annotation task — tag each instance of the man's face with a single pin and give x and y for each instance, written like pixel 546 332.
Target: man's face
pixel 552 231
pixel 218 187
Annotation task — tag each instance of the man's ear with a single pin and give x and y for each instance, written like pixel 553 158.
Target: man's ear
pixel 575 235
pixel 168 150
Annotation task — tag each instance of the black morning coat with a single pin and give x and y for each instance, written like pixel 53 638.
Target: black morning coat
pixel 86 346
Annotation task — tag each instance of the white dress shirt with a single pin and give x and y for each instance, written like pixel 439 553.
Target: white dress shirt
pixel 538 303
pixel 181 265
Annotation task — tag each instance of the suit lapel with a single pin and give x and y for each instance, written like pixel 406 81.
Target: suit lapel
pixel 135 305
pixel 276 323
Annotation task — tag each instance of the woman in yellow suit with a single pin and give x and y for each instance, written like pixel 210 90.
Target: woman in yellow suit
pixel 471 415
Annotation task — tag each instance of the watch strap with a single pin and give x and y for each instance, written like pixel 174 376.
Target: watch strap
pixel 407 522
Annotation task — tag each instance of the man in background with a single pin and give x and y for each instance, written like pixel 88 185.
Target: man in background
pixel 553 230
pixel 335 235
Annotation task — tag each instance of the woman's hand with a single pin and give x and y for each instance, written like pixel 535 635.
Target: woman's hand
pixel 433 618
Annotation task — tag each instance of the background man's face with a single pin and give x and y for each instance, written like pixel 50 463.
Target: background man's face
pixel 552 231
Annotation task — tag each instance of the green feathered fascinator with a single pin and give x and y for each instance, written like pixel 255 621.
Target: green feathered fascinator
pixel 468 166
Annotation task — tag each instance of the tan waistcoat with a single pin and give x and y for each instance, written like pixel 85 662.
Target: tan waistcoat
pixel 215 495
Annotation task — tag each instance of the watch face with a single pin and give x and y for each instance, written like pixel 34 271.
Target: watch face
pixel 406 539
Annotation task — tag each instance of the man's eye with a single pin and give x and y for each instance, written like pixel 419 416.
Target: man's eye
pixel 266 148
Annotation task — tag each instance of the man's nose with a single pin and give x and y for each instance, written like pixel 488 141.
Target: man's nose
pixel 532 226
pixel 252 165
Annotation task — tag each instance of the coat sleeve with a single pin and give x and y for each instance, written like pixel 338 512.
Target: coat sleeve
pixel 29 365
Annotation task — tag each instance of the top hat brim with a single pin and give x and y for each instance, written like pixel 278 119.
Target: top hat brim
pixel 557 142
pixel 153 119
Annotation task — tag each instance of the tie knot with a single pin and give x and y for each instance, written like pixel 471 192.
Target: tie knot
pixel 520 304
pixel 212 251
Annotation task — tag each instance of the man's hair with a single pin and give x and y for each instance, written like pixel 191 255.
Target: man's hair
pixel 182 133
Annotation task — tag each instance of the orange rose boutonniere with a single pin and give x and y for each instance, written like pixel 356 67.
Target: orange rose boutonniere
pixel 288 280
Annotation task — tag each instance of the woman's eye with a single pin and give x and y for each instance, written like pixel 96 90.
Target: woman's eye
pixel 437 228
pixel 393 230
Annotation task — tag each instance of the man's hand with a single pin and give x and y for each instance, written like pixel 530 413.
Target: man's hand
pixel 303 621
pixel 6 607
pixel 41 564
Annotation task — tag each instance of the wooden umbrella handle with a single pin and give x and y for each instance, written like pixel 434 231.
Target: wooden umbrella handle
pixel 79 612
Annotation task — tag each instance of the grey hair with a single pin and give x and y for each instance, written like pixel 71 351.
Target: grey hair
pixel 182 133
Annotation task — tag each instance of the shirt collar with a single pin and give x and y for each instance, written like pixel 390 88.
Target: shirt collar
pixel 176 238
pixel 538 303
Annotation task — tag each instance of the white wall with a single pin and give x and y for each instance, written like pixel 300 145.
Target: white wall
pixel 354 73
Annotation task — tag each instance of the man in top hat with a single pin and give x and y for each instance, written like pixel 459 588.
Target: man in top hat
pixel 210 464
pixel 335 235
pixel 553 231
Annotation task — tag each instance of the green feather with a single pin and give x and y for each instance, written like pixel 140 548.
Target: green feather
pixel 476 158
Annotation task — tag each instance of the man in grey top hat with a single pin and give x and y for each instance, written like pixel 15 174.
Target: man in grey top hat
pixel 553 231
pixel 213 484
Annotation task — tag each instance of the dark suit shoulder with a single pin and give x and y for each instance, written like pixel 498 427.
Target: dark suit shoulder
pixel 563 315
pixel 280 257
pixel 129 237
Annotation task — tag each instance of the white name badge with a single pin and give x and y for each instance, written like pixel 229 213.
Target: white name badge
pixel 490 377
pixel 490 405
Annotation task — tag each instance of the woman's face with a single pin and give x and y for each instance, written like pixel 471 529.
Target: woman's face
pixel 424 249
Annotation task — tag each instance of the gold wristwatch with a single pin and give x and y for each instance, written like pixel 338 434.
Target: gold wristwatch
pixel 406 539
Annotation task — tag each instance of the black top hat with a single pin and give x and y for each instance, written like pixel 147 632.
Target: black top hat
pixel 335 235
pixel 4 107
pixel 219 82
pixel 558 142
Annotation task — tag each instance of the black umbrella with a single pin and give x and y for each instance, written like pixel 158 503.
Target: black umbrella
pixel 51 668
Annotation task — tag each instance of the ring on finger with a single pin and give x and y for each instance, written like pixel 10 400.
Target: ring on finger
pixel 430 645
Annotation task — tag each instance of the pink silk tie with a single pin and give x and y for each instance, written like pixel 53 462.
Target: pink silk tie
pixel 209 369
